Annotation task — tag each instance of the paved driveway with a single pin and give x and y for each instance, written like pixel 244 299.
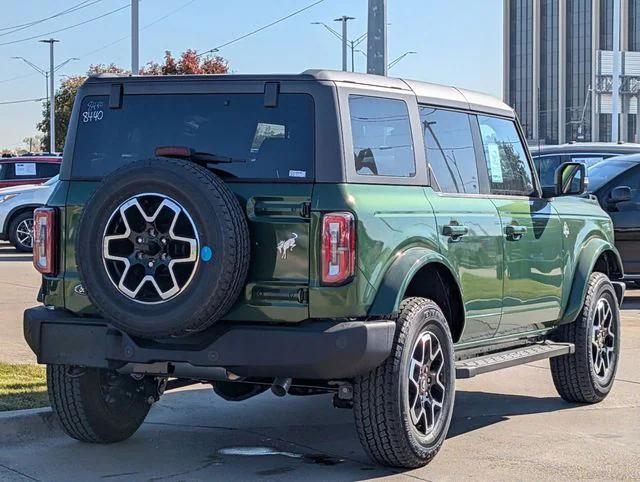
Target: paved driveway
pixel 507 425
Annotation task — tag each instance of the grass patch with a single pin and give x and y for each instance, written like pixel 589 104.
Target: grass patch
pixel 22 386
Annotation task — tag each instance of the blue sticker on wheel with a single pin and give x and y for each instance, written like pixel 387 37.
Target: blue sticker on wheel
pixel 206 254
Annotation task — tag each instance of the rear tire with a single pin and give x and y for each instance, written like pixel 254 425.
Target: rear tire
pixel 390 400
pixel 96 405
pixel 21 232
pixel 587 375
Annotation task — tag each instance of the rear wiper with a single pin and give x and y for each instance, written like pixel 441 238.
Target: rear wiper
pixel 182 152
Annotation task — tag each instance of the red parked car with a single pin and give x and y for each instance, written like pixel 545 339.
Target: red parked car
pixel 35 169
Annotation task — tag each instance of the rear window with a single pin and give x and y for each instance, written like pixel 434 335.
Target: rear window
pixel 275 143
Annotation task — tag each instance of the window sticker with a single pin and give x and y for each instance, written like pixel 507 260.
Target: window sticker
pixel 294 173
pixel 25 169
pixel 495 164
pixel 94 112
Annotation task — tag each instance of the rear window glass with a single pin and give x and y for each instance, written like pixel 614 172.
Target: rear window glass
pixel 261 142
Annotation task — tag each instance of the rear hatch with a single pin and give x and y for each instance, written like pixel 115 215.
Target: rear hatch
pixel 270 168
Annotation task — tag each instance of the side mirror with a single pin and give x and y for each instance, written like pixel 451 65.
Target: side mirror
pixel 571 179
pixel 620 194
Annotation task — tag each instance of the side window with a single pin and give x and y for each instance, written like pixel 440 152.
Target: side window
pixel 48 169
pixel 507 164
pixel 4 171
pixel 449 149
pixel 382 141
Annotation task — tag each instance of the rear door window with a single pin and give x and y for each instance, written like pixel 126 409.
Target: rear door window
pixel 4 170
pixel 274 143
pixel 450 150
pixel 507 164
pixel 382 140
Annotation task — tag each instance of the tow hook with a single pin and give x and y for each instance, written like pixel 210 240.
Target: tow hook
pixel 344 397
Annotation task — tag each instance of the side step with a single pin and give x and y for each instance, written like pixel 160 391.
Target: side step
pixel 497 361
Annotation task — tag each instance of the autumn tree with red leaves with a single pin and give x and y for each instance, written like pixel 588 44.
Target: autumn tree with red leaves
pixel 188 63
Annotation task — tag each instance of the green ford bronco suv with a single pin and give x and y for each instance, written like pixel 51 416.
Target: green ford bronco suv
pixel 328 232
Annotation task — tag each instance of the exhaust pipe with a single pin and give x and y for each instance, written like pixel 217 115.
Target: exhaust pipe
pixel 281 386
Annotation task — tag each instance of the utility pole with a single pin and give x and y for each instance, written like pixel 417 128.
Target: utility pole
pixel 377 38
pixel 52 97
pixel 344 19
pixel 615 94
pixel 135 37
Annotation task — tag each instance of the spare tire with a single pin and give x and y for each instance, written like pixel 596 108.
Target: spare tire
pixel 163 248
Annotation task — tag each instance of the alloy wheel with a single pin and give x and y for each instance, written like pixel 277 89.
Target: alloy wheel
pixel 426 387
pixel 24 233
pixel 150 248
pixel 603 340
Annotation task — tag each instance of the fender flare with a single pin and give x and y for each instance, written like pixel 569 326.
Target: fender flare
pixel 398 276
pixel 584 267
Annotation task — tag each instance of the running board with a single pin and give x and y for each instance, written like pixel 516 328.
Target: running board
pixel 497 361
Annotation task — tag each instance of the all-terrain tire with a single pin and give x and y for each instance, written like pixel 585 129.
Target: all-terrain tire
pixel 574 375
pixel 214 214
pixel 88 411
pixel 381 398
pixel 14 238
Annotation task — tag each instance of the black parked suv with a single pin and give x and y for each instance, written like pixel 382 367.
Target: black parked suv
pixel 616 183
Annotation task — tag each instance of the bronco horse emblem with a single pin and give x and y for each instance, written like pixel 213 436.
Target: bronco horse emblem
pixel 287 245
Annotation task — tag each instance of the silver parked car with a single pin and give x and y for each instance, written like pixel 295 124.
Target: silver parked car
pixel 17 204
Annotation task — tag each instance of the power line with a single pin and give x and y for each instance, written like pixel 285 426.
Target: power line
pixel 253 32
pixel 158 20
pixel 22 101
pixel 65 28
pixel 75 8
pixel 18 77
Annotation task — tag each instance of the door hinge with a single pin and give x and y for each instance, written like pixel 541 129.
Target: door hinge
pixel 303 296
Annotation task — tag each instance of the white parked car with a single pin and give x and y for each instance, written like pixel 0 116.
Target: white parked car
pixel 16 212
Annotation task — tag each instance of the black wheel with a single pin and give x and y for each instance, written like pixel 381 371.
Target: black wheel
pixel 163 248
pixel 403 408
pixel 587 375
pixel 21 232
pixel 96 405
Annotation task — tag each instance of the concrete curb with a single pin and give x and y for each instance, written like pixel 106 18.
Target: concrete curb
pixel 24 425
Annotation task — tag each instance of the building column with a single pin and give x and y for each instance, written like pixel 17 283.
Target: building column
pixel 562 63
pixel 624 46
pixel 506 50
pixel 595 45
pixel 535 53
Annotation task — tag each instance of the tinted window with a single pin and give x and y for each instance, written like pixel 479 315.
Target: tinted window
pixel 261 142
pixel 547 166
pixel 605 171
pixel 449 149
pixel 47 169
pixel 382 142
pixel 4 170
pixel 507 164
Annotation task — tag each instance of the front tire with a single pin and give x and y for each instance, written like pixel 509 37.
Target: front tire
pixel 403 408
pixel 96 405
pixel 587 375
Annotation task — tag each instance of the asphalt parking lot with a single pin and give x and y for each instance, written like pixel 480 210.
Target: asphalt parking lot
pixel 506 425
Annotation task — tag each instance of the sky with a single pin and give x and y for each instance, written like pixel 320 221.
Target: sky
pixel 458 42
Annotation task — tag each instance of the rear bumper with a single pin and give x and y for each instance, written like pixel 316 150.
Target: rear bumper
pixel 314 350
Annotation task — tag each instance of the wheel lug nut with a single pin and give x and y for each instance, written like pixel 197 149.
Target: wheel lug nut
pixel 139 240
pixel 150 264
pixel 163 240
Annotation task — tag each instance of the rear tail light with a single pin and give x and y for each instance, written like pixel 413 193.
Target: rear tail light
pixel 338 248
pixel 44 225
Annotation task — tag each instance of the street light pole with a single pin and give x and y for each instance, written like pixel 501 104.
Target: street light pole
pixel 377 38
pixel 344 19
pixel 52 96
pixel 135 37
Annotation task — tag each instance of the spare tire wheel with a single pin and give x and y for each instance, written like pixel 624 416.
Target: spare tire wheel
pixel 163 248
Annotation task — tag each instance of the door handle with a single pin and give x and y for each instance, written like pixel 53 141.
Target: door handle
pixel 454 231
pixel 515 232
